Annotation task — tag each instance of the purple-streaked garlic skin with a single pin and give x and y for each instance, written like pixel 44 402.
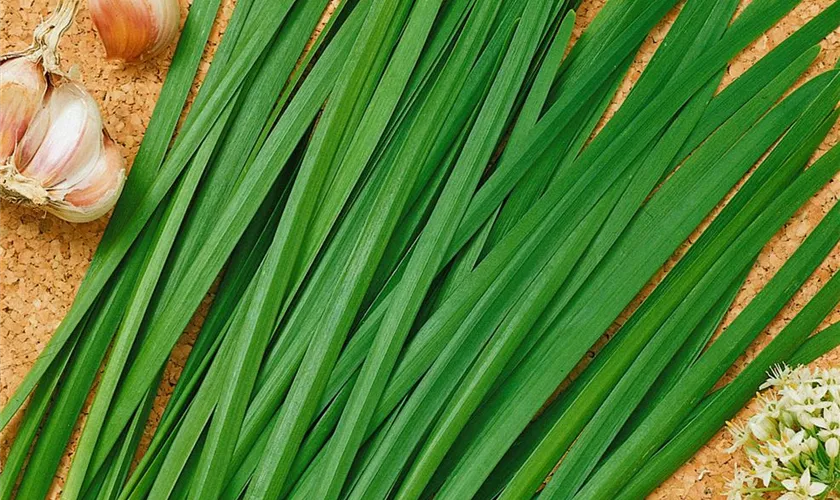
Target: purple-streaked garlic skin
pixel 131 29
pixel 95 195
pixel 65 162
pixel 23 85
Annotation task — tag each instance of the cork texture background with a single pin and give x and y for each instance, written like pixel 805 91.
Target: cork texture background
pixel 43 259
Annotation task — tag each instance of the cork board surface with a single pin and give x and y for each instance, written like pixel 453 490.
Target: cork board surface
pixel 43 259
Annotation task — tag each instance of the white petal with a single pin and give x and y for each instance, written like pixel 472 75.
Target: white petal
pixel 816 488
pixel 790 484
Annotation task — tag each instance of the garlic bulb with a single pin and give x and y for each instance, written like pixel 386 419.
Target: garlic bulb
pixel 65 162
pixel 133 28
pixel 54 151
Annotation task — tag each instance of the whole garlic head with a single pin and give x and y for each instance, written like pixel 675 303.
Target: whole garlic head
pixel 62 159
pixel 131 29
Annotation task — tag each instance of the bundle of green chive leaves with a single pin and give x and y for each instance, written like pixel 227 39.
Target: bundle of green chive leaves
pixel 419 236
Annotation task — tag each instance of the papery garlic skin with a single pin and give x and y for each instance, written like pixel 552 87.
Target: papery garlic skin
pixel 131 29
pixel 65 162
pixel 23 84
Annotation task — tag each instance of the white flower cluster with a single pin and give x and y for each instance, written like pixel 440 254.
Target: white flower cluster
pixel 793 442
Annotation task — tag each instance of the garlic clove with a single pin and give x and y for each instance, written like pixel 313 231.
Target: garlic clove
pixel 168 13
pixel 132 28
pixel 63 137
pixel 94 196
pixel 23 84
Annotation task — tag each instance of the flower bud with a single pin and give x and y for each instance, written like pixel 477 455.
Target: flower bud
pixel 832 447
pixel 811 444
pixel 762 428
pixel 65 162
pixel 23 84
pixel 132 28
pixel 788 419
pixel 805 420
